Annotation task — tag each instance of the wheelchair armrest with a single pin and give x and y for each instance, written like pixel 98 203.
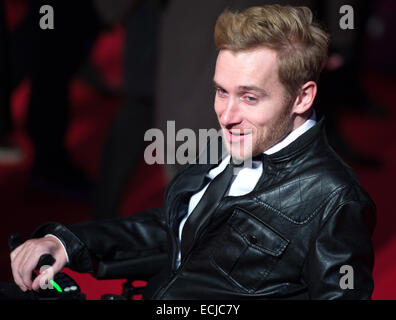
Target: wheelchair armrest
pixel 139 268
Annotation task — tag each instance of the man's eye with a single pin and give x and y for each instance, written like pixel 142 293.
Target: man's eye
pixel 250 99
pixel 221 92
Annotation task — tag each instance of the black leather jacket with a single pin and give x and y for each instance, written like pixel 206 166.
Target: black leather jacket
pixel 287 239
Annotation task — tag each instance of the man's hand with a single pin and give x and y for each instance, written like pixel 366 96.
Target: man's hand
pixel 24 259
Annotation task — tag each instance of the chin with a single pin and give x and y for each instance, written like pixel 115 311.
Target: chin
pixel 239 153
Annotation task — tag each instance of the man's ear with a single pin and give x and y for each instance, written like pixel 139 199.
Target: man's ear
pixel 305 98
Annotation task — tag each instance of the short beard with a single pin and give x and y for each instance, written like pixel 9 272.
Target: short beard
pixel 278 130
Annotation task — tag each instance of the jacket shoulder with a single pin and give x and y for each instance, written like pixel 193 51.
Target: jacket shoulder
pixel 319 182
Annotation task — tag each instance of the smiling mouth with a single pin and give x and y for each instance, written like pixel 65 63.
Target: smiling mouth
pixel 236 135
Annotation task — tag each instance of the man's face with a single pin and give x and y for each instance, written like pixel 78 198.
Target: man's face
pixel 250 103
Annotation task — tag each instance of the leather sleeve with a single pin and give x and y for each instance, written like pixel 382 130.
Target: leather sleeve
pixel 343 240
pixel 139 235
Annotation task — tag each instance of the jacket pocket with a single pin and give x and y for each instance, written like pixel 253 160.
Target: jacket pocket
pixel 247 250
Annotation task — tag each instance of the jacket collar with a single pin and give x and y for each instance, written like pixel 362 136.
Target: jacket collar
pixel 197 172
pixel 300 145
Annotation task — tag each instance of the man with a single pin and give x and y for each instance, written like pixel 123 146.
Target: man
pixel 290 223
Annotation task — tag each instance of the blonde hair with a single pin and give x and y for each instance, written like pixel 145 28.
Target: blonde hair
pixel 301 45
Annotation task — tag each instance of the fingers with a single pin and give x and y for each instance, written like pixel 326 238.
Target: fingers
pixel 27 265
pixel 18 258
pixel 47 274
pixel 25 258
pixel 43 279
pixel 14 262
pixel 17 277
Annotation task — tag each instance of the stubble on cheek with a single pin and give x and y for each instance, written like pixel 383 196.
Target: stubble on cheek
pixel 272 134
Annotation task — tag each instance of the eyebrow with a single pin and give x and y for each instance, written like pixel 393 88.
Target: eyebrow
pixel 245 88
pixel 253 88
pixel 216 84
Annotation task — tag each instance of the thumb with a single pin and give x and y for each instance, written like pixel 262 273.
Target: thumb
pixel 47 273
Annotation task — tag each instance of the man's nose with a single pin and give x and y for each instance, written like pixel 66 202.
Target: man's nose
pixel 231 114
